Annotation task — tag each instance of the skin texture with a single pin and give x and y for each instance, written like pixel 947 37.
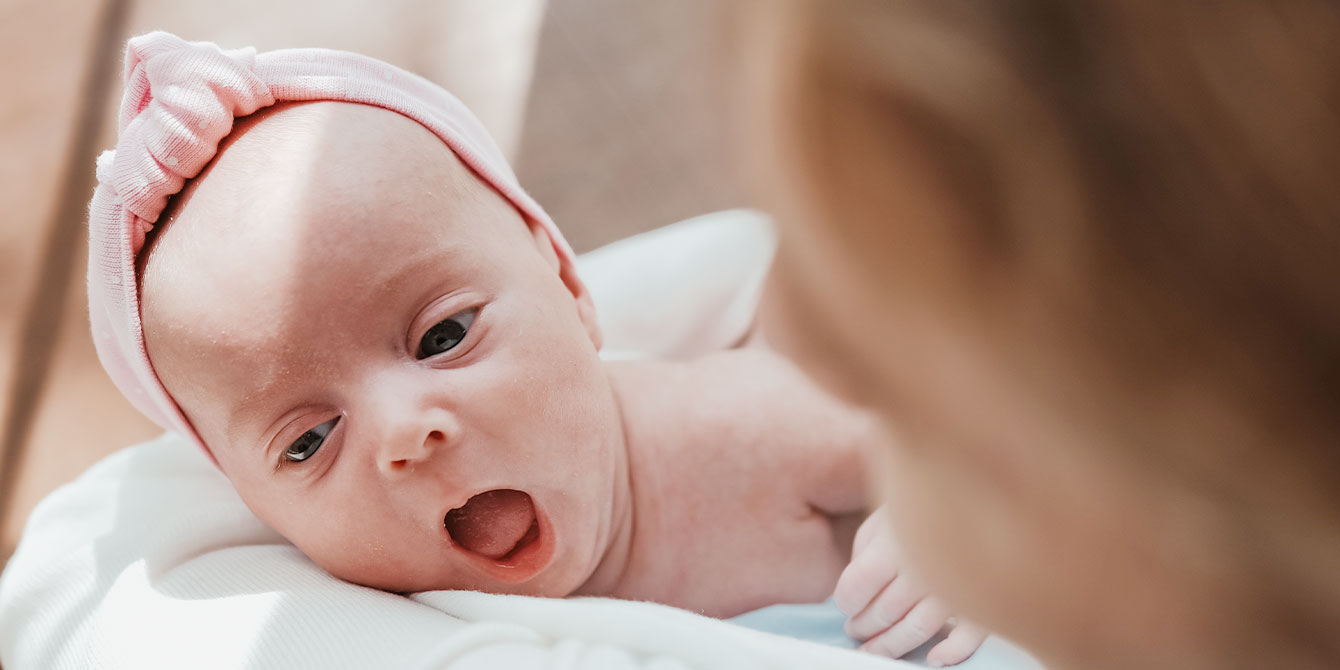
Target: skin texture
pixel 273 305
pixel 744 496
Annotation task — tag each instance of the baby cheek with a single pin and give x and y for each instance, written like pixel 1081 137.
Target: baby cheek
pixel 348 535
pixel 383 557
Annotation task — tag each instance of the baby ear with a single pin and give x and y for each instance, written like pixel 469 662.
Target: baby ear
pixel 567 273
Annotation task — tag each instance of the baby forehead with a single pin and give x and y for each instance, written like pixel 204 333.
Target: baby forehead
pixel 352 170
pixel 330 147
pixel 317 191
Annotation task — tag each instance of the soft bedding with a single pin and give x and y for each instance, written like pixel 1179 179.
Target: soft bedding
pixel 150 560
pixel 823 622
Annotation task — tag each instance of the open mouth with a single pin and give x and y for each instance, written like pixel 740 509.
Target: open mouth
pixel 503 532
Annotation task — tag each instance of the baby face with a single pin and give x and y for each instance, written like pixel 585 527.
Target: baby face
pixel 393 369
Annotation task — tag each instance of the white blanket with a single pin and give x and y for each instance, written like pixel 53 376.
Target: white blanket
pixel 150 560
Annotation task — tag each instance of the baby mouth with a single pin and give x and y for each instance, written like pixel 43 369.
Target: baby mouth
pixel 498 525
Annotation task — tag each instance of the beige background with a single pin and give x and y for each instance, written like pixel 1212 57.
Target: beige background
pixel 613 111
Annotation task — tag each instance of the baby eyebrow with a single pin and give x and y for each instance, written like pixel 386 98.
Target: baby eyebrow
pixel 245 415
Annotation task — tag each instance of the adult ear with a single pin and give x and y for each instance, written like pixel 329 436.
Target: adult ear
pixel 567 273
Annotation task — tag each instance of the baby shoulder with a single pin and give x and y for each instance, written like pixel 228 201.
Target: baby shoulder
pixel 765 409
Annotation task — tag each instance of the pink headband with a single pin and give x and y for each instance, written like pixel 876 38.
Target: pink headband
pixel 180 102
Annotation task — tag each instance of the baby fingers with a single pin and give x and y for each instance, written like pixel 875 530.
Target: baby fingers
pixel 862 581
pixel 922 623
pixel 890 606
pixel 961 643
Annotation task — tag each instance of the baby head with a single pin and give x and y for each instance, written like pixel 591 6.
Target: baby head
pixel 378 338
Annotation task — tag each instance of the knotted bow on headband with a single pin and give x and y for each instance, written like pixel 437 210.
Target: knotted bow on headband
pixel 181 100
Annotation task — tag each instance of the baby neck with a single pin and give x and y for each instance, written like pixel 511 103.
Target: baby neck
pixel 639 389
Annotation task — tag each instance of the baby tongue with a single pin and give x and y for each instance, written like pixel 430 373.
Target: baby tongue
pixel 492 523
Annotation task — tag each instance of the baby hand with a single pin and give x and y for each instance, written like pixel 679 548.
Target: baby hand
pixel 888 610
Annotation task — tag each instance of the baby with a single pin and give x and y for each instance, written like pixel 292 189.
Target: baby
pixel 384 345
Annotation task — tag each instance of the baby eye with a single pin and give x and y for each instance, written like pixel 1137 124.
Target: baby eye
pixel 446 334
pixel 309 442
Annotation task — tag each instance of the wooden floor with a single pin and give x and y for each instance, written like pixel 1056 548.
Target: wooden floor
pixel 614 112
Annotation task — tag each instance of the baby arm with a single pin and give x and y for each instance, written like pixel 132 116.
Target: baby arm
pixel 889 610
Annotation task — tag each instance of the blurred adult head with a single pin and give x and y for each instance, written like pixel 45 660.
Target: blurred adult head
pixel 1085 260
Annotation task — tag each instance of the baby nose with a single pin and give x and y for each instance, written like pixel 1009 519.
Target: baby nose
pixel 405 423
pixel 407 437
pixel 403 450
